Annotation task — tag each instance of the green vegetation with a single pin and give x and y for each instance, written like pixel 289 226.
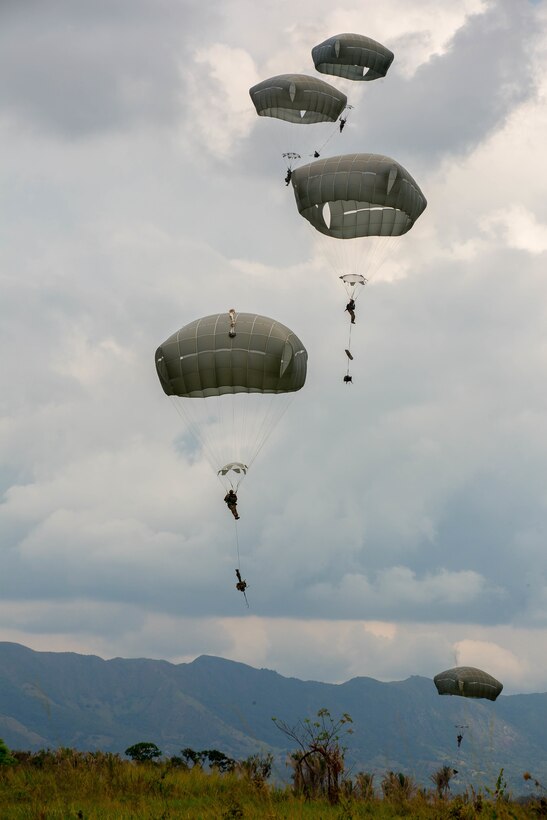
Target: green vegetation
pixel 6 757
pixel 318 763
pixel 65 783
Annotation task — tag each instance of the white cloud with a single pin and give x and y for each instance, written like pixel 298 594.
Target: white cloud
pixel 398 590
pixel 499 661
pixel 414 32
pixel 220 112
pixel 516 227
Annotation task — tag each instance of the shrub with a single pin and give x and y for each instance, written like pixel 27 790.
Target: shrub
pixel 6 757
pixel 398 786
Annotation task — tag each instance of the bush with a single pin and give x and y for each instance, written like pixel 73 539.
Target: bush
pixel 6 757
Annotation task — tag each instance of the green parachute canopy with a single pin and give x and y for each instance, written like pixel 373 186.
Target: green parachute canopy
pixel 213 356
pixel 366 200
pixel 468 682
pixel 298 98
pixel 231 376
pixel 352 56
pixel 357 195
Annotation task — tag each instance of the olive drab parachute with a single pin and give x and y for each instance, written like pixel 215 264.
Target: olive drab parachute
pixel 358 195
pixel 220 355
pixel 467 682
pixel 231 376
pixel 298 98
pixel 359 206
pixel 352 56
pixel 362 202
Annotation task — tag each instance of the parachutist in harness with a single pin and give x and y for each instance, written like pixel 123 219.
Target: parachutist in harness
pixel 290 156
pixel 459 739
pixel 316 154
pixel 231 500
pixel 241 585
pixel 348 379
pixel 342 123
pixel 350 307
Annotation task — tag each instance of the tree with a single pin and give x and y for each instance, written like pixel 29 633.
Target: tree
pixel 319 761
pixel 193 757
pixel 220 761
pixel 143 752
pixel 217 760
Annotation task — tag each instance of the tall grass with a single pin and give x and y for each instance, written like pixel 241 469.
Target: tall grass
pixel 69 784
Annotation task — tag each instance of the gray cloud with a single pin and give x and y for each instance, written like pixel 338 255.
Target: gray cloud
pixel 82 70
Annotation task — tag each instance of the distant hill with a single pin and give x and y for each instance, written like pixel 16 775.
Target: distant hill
pixel 51 699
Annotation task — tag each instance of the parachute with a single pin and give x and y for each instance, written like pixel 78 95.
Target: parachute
pixel 298 98
pixel 357 195
pixel 231 376
pixel 352 56
pixel 366 200
pixel 467 682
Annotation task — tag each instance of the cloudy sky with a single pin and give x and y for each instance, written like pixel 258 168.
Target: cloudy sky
pixel 393 527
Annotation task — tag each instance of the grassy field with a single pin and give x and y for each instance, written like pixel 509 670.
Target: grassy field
pixel 66 784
